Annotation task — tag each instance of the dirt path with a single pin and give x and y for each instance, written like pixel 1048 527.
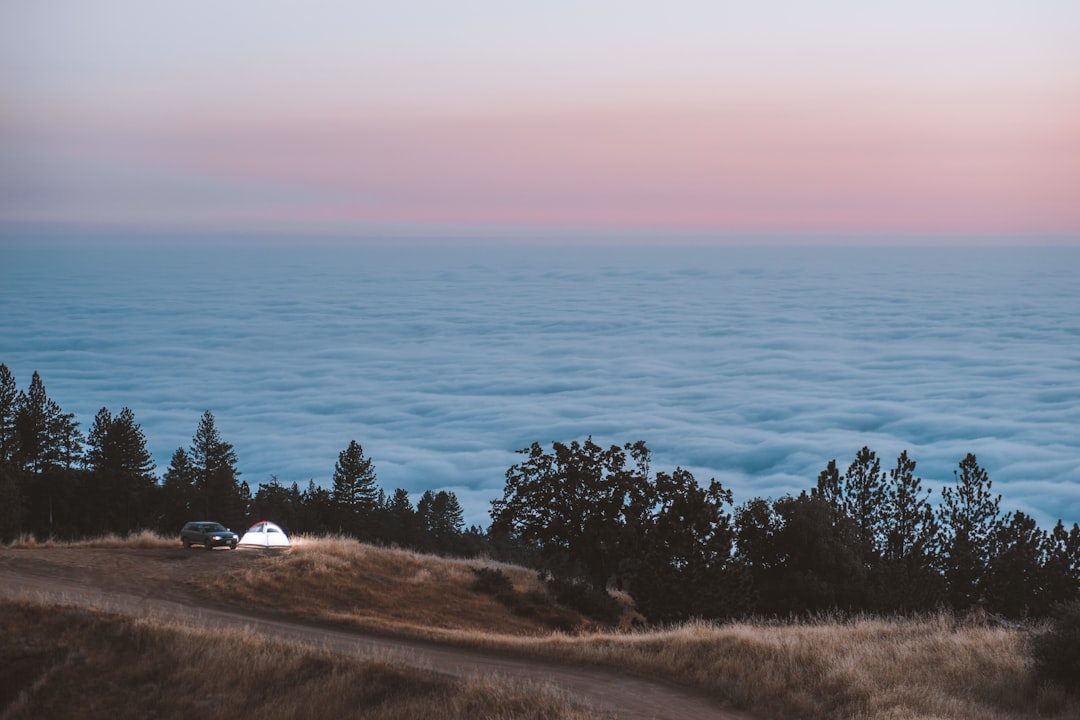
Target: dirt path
pixel 145 583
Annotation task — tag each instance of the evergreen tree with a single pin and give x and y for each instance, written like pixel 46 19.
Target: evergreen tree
pixel 355 493
pixel 969 517
pixel 317 507
pixel 1015 583
pixel 46 435
pixel 820 557
pixel 216 484
pixel 9 411
pixel 125 492
pixel 64 431
pixel 118 445
pixel 178 493
pixel 273 502
pixel 12 502
pixel 441 515
pixel 246 502
pixel 402 522
pixel 864 500
pixel 909 581
pixel 1061 554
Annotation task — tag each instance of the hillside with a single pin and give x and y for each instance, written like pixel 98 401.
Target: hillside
pixel 864 668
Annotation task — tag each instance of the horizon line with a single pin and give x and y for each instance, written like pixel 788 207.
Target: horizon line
pixel 23 234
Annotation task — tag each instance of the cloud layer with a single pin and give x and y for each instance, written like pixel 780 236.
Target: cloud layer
pixel 752 366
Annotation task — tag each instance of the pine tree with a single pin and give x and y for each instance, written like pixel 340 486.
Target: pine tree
pixel 864 498
pixel 9 410
pixel 402 522
pixel 47 437
pixel 317 510
pixel 442 516
pixel 123 470
pixel 1062 564
pixel 910 528
pixel 12 502
pixel 355 493
pixel 178 493
pixel 908 516
pixel 118 445
pixel 969 517
pixel 216 484
pixel 1015 584
pixel 857 497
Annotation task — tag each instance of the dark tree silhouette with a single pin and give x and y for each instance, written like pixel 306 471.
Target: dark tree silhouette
pixel 124 487
pixel 216 484
pixel 47 437
pixel 908 580
pixel 859 496
pixel 1061 558
pixel 13 502
pixel 685 568
pixel 969 517
pixel 355 493
pixel 9 412
pixel 1015 583
pixel 178 493
pixel 581 506
pixel 401 524
pixel 442 518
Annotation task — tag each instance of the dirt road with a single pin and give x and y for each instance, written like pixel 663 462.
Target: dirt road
pixel 149 582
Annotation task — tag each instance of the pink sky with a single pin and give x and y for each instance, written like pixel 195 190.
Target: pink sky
pixel 418 120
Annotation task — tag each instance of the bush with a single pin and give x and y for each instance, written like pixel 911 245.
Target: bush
pixel 1056 652
pixel 589 601
pixel 491 581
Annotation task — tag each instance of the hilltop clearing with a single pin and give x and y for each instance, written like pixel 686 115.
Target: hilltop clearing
pixel 422 611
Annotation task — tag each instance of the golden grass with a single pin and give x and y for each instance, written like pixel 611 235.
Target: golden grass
pixel 144 539
pixel 390 590
pixel 888 669
pixel 64 663
pixel 866 668
pixel 894 669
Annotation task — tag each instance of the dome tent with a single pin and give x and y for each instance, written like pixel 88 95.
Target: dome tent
pixel 265 534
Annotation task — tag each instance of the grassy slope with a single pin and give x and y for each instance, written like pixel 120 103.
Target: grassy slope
pixel 867 668
pixel 85 664
pixel 928 668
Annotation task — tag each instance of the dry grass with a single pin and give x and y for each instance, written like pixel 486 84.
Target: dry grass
pixel 862 668
pixel 866 668
pixel 64 663
pixel 144 539
pixel 391 590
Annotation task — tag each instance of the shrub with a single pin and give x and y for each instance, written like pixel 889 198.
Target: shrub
pixel 1056 651
pixel 491 581
pixel 590 601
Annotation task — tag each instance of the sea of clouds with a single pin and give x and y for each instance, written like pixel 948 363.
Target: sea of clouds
pixel 751 366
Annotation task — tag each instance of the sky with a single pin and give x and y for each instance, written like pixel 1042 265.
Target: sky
pixel 473 117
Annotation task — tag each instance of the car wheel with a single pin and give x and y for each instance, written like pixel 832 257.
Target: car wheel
pixel 187 544
pixel 233 546
pixel 208 545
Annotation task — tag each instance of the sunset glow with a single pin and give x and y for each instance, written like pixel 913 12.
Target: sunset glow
pixel 267 118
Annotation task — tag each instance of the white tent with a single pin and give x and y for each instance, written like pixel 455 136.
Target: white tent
pixel 265 534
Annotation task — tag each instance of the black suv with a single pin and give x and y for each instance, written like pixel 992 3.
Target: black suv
pixel 209 535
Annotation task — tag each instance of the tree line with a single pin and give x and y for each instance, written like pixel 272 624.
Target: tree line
pixel 861 539
pixel 57 482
